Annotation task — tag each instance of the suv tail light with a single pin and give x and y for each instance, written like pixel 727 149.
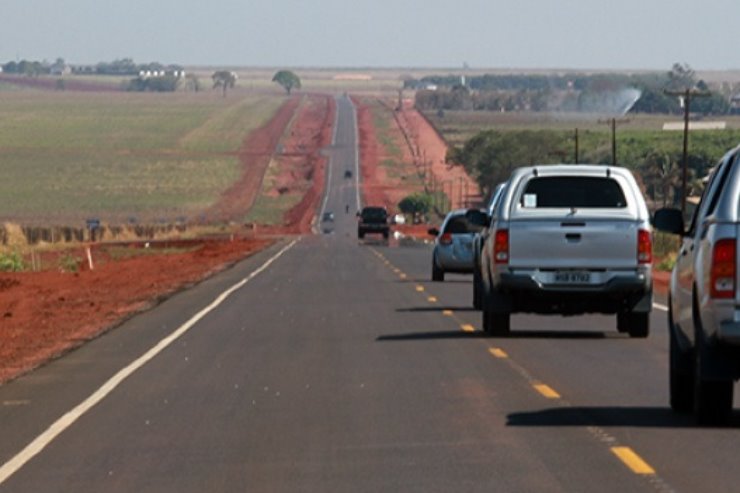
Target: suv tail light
pixel 722 275
pixel 501 246
pixel 445 239
pixel 644 247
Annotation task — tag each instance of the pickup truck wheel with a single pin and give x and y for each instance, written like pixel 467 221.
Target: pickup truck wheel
pixel 496 324
pixel 712 398
pixel 361 235
pixel 636 324
pixel 438 274
pixel 639 325
pixel 681 371
pixel 477 290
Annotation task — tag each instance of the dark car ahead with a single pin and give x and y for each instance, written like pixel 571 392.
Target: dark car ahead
pixel 373 220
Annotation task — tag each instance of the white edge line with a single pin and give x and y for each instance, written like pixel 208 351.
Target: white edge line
pixel 658 306
pixel 61 424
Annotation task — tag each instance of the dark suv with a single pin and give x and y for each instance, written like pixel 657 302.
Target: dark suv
pixel 373 220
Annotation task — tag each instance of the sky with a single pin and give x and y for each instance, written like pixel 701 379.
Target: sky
pixel 534 34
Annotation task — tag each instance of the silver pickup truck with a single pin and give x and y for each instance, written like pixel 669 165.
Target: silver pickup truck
pixel 568 239
pixel 704 302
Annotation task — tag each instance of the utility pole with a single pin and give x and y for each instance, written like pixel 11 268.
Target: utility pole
pixel 613 124
pixel 576 149
pixel 686 95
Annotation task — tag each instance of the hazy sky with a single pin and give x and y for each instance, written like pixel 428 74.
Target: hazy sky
pixel 609 34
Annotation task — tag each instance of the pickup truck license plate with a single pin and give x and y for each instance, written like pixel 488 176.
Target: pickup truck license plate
pixel 572 277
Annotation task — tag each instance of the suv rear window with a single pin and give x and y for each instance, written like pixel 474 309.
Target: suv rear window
pixel 573 191
pixel 374 213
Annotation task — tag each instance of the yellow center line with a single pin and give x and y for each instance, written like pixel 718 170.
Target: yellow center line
pixel 632 460
pixel 420 288
pixel 498 353
pixel 432 299
pixel 467 328
pixel 447 313
pixel 546 391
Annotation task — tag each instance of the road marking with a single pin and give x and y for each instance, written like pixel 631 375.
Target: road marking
pixel 16 403
pixel 632 460
pixel 420 288
pixel 61 424
pixel 658 306
pixel 447 313
pixel 432 299
pixel 402 275
pixel 546 391
pixel 498 353
pixel 467 328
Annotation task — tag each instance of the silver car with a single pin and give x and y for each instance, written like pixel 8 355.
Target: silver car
pixel 453 246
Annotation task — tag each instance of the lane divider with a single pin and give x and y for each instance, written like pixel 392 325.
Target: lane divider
pixel 546 391
pixel 432 299
pixel 632 460
pixel 498 353
pixel 467 328
pixel 63 423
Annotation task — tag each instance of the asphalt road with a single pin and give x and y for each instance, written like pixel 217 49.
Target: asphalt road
pixel 339 366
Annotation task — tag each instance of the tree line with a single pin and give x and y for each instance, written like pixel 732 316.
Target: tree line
pixel 654 156
pixel 598 93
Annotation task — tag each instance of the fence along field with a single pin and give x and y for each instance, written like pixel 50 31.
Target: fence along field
pixel 122 158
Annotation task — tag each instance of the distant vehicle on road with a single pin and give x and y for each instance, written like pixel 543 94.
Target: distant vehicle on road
pixel 703 316
pixel 328 217
pixel 373 220
pixel 569 239
pixel 348 173
pixel 453 245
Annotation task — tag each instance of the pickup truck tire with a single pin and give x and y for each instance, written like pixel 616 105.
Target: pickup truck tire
pixel 712 398
pixel 438 275
pixel 681 371
pixel 477 290
pixel 361 235
pixel 636 324
pixel 496 324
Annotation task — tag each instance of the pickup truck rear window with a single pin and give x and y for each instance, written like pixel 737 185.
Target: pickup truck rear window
pixel 573 191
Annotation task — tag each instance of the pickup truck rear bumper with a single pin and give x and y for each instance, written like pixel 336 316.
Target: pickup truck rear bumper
pixel 524 293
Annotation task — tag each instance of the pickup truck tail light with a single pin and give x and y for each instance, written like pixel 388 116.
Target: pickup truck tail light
pixel 722 275
pixel 644 247
pixel 501 246
pixel 445 239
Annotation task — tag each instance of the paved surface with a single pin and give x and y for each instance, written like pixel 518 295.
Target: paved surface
pixel 341 367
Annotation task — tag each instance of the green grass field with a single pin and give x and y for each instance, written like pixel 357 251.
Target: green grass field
pixel 67 156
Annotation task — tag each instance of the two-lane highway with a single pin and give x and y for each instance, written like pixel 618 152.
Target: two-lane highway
pixel 330 364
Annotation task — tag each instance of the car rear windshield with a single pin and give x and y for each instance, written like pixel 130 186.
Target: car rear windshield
pixel 374 213
pixel 573 191
pixel 470 222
